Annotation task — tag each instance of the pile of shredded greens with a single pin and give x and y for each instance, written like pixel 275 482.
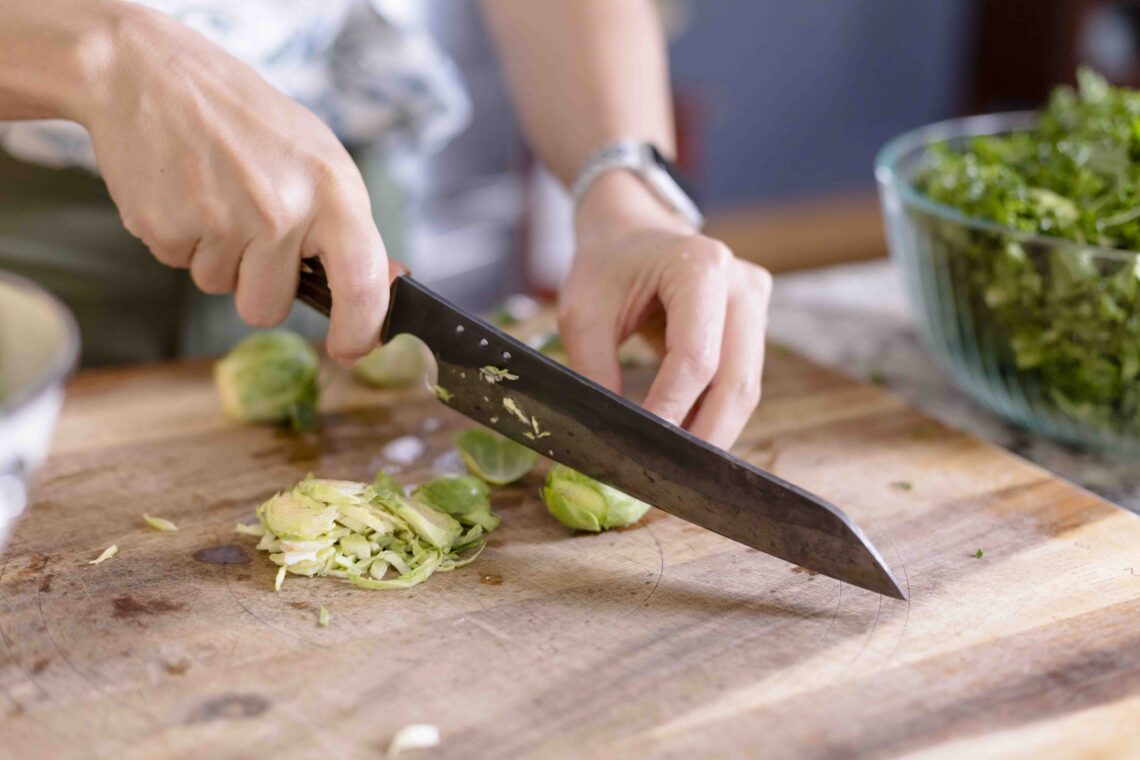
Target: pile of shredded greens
pixel 374 536
pixel 1066 319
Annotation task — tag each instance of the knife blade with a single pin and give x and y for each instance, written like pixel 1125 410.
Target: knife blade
pixel 564 416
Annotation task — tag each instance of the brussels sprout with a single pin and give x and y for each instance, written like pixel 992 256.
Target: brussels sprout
pixel 397 364
pixel 582 503
pixel 492 457
pixel 270 377
pixel 356 532
pixel 464 497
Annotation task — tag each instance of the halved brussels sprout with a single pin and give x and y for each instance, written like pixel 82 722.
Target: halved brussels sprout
pixel 493 457
pixel 270 376
pixel 464 497
pixel 399 363
pixel 582 503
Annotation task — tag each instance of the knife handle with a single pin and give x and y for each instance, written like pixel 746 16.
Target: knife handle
pixel 313 288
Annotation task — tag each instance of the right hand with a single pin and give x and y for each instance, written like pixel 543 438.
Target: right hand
pixel 219 173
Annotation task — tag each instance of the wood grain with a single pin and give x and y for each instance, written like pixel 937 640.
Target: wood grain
pixel 658 641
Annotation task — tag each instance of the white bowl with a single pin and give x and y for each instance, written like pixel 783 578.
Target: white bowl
pixel 39 345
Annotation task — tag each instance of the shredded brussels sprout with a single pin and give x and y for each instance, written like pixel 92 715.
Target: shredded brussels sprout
pixel 496 375
pixel 109 552
pixel 582 503
pixel 270 377
pixel 324 618
pixel 159 523
pixel 250 530
pixel 493 457
pixel 358 532
pixel 414 736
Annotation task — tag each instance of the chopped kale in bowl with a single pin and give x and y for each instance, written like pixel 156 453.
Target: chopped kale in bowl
pixel 1016 236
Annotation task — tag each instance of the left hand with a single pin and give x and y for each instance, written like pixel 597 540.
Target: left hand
pixel 637 262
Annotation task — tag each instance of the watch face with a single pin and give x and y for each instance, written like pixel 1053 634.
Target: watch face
pixel 674 173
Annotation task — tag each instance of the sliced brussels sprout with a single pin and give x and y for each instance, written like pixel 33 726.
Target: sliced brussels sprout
pixel 399 363
pixel 160 523
pixel 256 529
pixel 386 482
pixel 464 497
pixel 356 532
pixel 107 554
pixel 582 503
pixel 294 515
pixel 324 617
pixel 413 736
pixel 333 491
pixel 493 457
pixel 437 528
pixel 270 376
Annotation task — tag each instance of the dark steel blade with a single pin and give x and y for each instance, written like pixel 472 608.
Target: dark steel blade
pixel 576 422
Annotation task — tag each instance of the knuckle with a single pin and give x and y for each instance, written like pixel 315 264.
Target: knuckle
pixel 259 313
pixel 213 283
pixel 758 278
pixel 713 256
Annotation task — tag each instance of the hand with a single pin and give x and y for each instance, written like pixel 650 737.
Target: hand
pixel 638 262
pixel 219 173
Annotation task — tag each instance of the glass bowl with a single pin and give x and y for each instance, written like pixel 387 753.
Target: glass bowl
pixel 39 345
pixel 1043 331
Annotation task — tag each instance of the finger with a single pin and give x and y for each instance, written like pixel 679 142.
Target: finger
pixel 214 265
pixel 267 280
pixel 694 298
pixel 734 392
pixel 591 341
pixel 353 255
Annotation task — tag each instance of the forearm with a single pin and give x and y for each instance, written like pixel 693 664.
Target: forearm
pixel 584 73
pixel 51 54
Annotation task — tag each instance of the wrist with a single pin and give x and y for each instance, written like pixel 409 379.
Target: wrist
pixel 619 201
pixel 53 55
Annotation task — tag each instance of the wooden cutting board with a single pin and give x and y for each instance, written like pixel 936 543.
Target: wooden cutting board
pixel 662 640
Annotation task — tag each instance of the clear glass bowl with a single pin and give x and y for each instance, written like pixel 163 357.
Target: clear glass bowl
pixel 1038 329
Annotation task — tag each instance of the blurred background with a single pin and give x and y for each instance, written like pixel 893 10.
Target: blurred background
pixel 781 107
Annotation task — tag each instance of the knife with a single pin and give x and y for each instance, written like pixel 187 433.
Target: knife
pixel 560 414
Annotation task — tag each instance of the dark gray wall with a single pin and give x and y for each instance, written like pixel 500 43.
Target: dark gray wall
pixel 798 95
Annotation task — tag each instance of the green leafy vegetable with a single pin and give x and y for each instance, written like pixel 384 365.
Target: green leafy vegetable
pixel 270 377
pixel 496 374
pixel 358 532
pixel 903 485
pixel 324 617
pixel 582 503
pixel 399 363
pixel 978 554
pixel 1065 318
pixel 493 457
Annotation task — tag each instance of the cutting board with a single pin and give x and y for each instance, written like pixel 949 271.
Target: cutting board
pixel 662 640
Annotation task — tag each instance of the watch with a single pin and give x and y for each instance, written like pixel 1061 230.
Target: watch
pixel 644 160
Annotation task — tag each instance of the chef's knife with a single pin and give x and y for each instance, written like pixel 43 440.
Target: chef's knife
pixel 562 415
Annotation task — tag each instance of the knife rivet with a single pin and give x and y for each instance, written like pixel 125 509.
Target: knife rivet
pixel 459 328
pixel 506 356
pixel 482 343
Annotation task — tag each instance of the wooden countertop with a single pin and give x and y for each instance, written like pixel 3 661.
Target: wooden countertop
pixel 661 640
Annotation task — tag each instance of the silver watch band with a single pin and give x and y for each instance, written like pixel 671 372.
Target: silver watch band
pixel 636 157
